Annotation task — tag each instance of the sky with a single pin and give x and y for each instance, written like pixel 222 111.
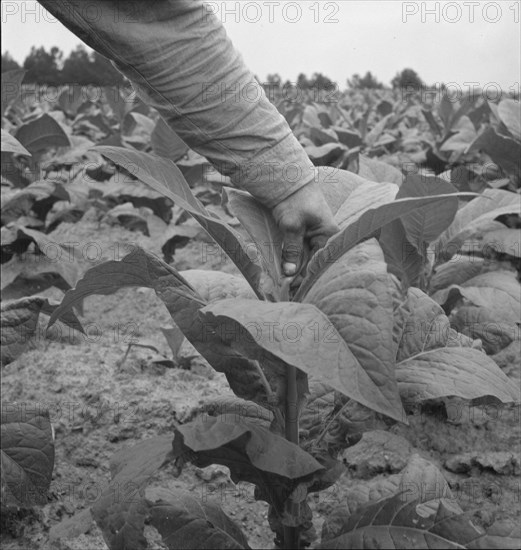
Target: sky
pixel 459 42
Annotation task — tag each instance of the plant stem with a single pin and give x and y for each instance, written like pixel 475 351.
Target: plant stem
pixel 269 394
pixel 291 534
pixel 291 421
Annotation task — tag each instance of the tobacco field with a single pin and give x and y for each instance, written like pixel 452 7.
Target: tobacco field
pixel 164 386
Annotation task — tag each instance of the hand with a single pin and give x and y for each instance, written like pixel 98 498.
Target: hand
pixel 304 219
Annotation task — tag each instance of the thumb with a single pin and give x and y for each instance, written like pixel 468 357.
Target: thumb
pixel 292 253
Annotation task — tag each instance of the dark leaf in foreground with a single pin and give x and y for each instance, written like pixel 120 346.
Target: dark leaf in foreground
pixel 27 454
pixel 42 133
pixel 251 452
pixel 396 523
pixel 19 321
pixel 121 510
pixel 185 521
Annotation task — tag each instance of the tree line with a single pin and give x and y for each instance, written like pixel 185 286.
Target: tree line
pixel 53 68
pixel 91 68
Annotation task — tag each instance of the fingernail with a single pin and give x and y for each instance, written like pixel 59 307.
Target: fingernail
pixel 289 268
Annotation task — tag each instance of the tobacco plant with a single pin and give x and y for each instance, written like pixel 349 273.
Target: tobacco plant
pixel 352 335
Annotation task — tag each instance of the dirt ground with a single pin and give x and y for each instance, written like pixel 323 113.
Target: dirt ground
pixel 98 406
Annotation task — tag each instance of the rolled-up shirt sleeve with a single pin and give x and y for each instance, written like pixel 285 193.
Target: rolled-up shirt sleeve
pixel 181 62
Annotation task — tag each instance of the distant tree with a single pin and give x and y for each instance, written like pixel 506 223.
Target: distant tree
pixel 302 82
pixel 8 63
pixel 317 82
pixel 321 82
pixel 43 67
pixel 106 73
pixel 274 80
pixel 77 67
pixel 82 67
pixel 366 82
pixel 407 79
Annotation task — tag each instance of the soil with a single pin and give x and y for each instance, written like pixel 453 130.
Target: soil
pixel 99 405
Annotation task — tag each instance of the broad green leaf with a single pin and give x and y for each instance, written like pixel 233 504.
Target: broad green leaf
pixel 423 325
pixel 491 308
pixel 302 336
pixel 488 206
pixel 163 175
pixel 349 138
pixel 19 320
pixel 11 87
pixel 325 154
pixel 425 224
pixel 141 269
pixel 396 523
pixel 166 143
pixel 465 134
pixel 366 226
pixel 136 129
pixel 503 241
pixel 251 452
pixel 56 257
pixel 27 454
pixel 429 365
pixel 402 258
pixel 321 136
pixel 116 102
pixel 28 274
pixel 504 151
pixel 509 111
pixel 501 534
pixel 327 407
pixel 261 226
pixel 260 448
pixel 215 285
pixel 355 295
pixel 378 171
pixel 123 188
pixel 422 482
pixel 498 291
pixel 121 510
pixel 185 521
pixel 131 218
pixel 445 111
pixel 453 371
pixel 11 145
pixel 39 197
pixel 466 107
pixel 363 198
pixel 159 173
pixel 42 133
pixel 310 116
pixel 479 322
pixel 233 408
pixel 72 98
pixel 337 185
pixel 457 271
pixel 379 127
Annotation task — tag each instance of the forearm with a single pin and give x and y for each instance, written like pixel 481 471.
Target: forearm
pixel 180 61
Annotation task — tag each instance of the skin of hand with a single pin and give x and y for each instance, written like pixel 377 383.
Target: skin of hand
pixel 305 219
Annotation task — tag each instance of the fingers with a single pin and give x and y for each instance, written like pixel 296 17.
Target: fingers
pixel 292 251
pixel 318 239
